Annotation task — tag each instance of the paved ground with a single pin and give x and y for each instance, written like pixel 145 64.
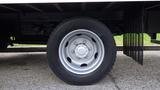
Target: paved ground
pixel 29 71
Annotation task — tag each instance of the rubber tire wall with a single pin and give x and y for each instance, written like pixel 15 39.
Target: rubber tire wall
pixel 81 23
pixel 3 45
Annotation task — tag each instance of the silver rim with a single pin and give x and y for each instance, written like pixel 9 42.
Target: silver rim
pixel 81 51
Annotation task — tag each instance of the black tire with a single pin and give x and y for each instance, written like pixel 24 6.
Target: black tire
pixel 3 44
pixel 86 23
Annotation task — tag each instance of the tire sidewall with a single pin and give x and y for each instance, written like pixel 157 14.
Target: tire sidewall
pixel 3 45
pixel 82 23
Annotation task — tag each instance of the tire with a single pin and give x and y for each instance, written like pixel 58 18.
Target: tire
pixel 3 44
pixel 73 73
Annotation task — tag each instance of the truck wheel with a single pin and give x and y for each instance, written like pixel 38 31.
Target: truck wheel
pixel 81 51
pixel 3 45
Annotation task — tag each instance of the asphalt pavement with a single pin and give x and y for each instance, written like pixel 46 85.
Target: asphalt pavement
pixel 30 71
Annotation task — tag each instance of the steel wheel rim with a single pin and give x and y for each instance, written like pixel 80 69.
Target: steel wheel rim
pixel 81 51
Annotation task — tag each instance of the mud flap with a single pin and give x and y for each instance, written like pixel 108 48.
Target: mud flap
pixel 133 37
pixel 133 46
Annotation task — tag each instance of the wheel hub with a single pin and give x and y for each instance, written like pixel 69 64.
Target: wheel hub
pixel 81 51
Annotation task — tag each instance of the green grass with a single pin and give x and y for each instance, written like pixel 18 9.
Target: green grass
pixel 118 39
pixel 26 45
